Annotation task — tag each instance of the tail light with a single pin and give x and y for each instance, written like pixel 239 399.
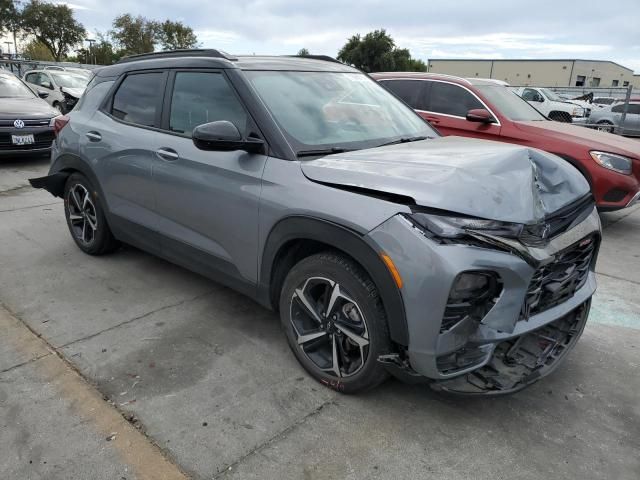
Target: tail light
pixel 58 123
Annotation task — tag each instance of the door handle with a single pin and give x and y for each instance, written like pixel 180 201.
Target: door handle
pixel 168 154
pixel 94 136
pixel 433 120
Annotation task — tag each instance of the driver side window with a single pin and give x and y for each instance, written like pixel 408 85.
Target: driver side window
pixel 531 95
pixel 204 97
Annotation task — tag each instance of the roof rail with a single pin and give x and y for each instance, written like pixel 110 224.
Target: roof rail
pixel 187 52
pixel 325 58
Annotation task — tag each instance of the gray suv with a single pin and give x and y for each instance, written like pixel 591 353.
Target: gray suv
pixel 302 183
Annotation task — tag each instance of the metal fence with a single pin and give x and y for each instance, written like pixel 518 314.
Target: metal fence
pixel 20 67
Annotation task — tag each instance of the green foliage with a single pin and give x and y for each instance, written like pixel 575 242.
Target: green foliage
pixel 35 50
pixel 303 52
pixel 176 35
pixel 135 34
pixel 9 16
pixel 377 52
pixel 53 26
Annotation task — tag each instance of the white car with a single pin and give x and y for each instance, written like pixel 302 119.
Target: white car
pixel 551 105
pixel 64 88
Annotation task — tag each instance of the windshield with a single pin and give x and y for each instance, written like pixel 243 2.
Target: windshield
pixel 335 110
pixel 69 81
pixel 551 95
pixel 12 87
pixel 509 103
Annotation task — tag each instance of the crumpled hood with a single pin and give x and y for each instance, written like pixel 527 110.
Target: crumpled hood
pixel 74 92
pixel 474 177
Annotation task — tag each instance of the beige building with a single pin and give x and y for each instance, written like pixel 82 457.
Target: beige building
pixel 543 73
pixel 636 81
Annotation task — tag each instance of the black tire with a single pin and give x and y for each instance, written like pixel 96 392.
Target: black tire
pixel 563 117
pixel 605 126
pixel 358 307
pixel 83 214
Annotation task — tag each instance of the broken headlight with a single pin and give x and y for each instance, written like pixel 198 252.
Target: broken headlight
pixel 614 162
pixel 444 226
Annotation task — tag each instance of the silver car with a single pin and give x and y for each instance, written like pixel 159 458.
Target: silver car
pixel 64 88
pixel 608 119
pixel 301 182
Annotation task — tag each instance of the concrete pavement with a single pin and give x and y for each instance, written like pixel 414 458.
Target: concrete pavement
pixel 208 377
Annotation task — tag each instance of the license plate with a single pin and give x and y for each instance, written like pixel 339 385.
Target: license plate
pixel 22 139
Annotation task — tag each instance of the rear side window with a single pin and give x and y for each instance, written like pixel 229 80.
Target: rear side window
pixel 137 98
pixel 451 99
pixel 407 90
pixel 202 97
pixel 634 108
pixel 618 108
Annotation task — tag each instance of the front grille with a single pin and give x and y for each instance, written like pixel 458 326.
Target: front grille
pixel 557 281
pixel 34 122
pixel 42 140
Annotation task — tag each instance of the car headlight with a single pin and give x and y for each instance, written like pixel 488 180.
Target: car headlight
pixel 445 226
pixel 612 161
pixel 578 112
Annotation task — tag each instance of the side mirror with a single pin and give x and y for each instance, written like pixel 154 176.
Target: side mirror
pixel 480 115
pixel 224 136
pixel 43 94
pixel 538 98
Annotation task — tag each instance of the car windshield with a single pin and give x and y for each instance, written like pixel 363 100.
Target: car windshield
pixel 551 95
pixel 509 104
pixel 336 110
pixel 12 87
pixel 69 81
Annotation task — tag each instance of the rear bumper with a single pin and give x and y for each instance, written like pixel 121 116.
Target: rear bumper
pixel 473 346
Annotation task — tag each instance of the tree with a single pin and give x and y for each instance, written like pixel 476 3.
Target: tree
pixel 53 26
pixel 377 52
pixel 176 35
pixel 303 52
pixel 36 50
pixel 135 35
pixel 10 20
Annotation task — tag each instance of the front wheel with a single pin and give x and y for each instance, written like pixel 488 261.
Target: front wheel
pixel 335 323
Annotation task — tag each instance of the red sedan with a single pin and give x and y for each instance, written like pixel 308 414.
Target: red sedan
pixel 487 109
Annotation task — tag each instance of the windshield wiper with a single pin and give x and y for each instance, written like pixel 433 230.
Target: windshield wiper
pixel 321 152
pixel 404 140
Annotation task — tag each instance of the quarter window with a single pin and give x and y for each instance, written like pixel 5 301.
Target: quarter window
pixel 451 100
pixel 137 98
pixel 201 97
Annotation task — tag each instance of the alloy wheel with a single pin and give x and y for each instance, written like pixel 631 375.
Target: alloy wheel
pixel 82 214
pixel 329 326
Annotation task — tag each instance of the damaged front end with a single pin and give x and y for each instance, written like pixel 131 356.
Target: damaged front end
pixel 491 311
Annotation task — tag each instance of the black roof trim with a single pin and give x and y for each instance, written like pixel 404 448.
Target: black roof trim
pixel 326 58
pixel 188 52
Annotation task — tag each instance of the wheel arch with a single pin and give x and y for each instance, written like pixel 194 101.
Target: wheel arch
pixel 298 237
pixel 63 167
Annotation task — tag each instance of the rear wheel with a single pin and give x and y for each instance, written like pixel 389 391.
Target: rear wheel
pixel 605 126
pixel 85 217
pixel 560 117
pixel 334 322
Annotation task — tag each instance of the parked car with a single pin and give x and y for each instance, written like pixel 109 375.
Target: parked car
pixel 484 109
pixel 604 101
pixel 25 119
pixel 64 88
pixel 608 119
pixel 75 70
pixel 306 185
pixel 551 105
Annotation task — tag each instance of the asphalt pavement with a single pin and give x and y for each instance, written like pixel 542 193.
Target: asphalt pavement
pixel 126 366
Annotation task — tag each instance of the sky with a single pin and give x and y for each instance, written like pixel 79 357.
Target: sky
pixel 587 29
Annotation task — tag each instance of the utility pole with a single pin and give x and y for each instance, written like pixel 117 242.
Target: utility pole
pixel 91 41
pixel 623 117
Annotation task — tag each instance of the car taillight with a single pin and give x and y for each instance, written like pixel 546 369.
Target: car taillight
pixel 58 123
